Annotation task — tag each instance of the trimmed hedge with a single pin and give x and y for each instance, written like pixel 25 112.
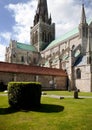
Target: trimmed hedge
pixel 24 95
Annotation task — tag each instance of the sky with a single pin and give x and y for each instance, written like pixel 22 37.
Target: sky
pixel 16 18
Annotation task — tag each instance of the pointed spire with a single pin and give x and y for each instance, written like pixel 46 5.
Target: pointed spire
pixel 83 16
pixel 42 6
pixel 50 19
pixel 50 16
pixel 42 10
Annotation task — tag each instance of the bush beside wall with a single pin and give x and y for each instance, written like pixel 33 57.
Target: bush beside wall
pixel 24 94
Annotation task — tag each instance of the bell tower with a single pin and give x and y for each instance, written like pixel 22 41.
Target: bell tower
pixel 43 30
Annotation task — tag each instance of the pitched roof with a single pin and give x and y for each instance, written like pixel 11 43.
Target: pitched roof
pixel 65 36
pixel 26 47
pixel 28 69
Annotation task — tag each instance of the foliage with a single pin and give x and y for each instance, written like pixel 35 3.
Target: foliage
pixel 24 95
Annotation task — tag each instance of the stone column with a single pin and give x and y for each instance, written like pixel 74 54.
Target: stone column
pixel 37 78
pixel 71 72
pixel 91 79
pixel 39 36
pixel 15 77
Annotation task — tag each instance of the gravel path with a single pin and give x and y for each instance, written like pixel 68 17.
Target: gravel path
pixel 61 97
pixel 58 97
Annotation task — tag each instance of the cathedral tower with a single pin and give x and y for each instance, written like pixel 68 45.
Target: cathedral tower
pixel 83 31
pixel 43 30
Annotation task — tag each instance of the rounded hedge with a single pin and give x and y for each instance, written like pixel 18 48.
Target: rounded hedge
pixel 24 95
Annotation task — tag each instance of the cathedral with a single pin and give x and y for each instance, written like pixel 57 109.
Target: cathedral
pixel 72 52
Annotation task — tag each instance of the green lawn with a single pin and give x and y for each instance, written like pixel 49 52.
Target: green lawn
pixel 54 114
pixel 67 93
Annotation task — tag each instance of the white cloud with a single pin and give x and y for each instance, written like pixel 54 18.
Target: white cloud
pixel 23 14
pixel 2 52
pixel 66 16
pixel 5 37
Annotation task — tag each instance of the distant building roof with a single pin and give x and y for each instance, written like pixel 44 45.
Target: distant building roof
pixel 26 47
pixel 65 36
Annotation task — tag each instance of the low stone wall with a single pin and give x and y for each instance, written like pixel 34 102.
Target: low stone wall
pixel 53 82
pixel 50 78
pixel 6 77
pixel 59 83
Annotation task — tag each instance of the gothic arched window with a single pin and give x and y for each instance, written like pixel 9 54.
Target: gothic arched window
pixel 34 60
pixel 62 50
pixel 22 58
pixel 78 73
pixel 44 36
pixel 73 46
pixel 49 38
pixel 36 37
pixel 89 60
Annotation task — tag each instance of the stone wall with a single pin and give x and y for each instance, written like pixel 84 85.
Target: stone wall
pixel 50 82
pixel 8 77
pixel 59 83
pixel 85 82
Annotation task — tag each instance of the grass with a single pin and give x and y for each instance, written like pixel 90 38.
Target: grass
pixel 67 93
pixel 54 114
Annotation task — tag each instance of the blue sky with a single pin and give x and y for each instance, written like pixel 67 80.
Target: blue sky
pixel 16 18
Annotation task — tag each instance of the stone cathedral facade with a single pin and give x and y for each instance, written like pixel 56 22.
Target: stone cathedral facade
pixel 71 52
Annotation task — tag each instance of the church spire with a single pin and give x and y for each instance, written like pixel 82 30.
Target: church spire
pixel 42 7
pixel 41 12
pixel 83 31
pixel 43 30
pixel 83 16
pixel 83 26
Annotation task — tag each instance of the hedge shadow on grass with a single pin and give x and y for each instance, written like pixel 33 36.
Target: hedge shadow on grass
pixel 45 108
pixel 50 108
pixel 9 110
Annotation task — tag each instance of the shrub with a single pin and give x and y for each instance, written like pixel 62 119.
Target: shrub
pixel 24 95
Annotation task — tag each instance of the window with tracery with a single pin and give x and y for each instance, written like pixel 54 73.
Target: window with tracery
pixel 89 60
pixel 78 73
